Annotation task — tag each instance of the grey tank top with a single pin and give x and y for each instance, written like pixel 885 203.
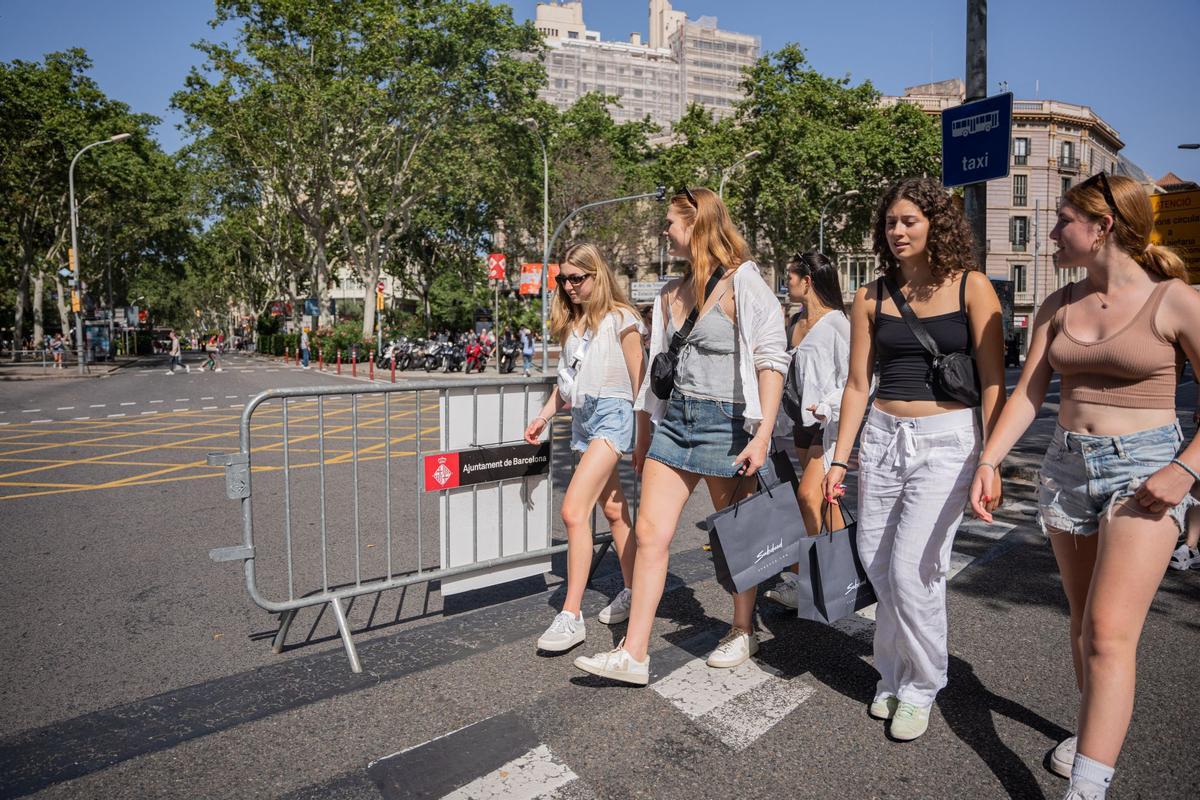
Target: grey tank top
pixel 708 362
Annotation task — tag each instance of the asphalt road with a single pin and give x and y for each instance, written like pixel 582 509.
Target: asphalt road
pixel 136 667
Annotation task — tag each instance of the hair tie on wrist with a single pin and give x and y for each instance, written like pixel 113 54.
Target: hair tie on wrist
pixel 1195 475
pixel 841 464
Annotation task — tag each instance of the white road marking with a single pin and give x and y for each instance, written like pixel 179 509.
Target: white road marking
pixel 5 423
pixel 231 396
pixel 36 421
pixel 97 405
pixel 181 399
pixel 79 418
pixel 30 410
pixel 129 404
pixel 144 413
pixel 65 408
pixel 235 405
pixel 738 705
pixel 116 415
pixel 537 774
pixel 208 408
pixel 152 402
pixel 208 398
pixel 181 409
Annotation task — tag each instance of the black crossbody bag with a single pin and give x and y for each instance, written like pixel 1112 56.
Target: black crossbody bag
pixel 662 371
pixel 953 373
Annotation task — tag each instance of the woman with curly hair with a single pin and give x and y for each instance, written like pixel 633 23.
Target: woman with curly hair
pixel 921 442
pixel 1113 491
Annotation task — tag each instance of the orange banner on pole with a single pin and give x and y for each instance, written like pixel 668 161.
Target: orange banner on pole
pixel 531 278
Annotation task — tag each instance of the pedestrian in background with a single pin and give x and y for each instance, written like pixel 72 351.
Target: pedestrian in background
pixel 56 349
pixel 1114 488
pixel 600 365
pixel 1187 554
pixel 716 425
pixel 304 348
pixel 176 353
pixel 527 350
pixel 820 362
pixel 921 441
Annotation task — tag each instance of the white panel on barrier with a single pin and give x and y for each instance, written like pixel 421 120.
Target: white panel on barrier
pixel 491 519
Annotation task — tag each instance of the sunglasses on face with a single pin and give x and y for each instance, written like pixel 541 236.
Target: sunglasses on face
pixel 1100 180
pixel 575 279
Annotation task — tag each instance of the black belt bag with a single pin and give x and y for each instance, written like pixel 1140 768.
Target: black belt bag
pixel 662 371
pixel 953 373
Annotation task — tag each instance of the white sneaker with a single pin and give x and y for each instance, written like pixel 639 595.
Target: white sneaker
pixel 909 722
pixel 617 611
pixel 170 372
pixel 786 591
pixel 1081 791
pixel 1062 757
pixel 564 632
pixel 189 369
pixel 1185 557
pixel 616 665
pixel 735 648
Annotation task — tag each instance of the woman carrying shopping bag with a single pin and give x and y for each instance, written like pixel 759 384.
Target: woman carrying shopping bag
pixel 600 364
pixel 812 394
pixel 1113 493
pixel 718 358
pixel 931 330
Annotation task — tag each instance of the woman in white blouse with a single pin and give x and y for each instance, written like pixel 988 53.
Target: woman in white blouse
pixel 716 422
pixel 820 365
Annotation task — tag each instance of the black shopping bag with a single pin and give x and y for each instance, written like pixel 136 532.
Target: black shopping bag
pixel 754 539
pixel 832 582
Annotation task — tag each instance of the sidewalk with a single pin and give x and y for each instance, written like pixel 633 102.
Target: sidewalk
pixel 36 370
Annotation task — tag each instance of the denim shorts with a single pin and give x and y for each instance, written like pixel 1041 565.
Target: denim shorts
pixel 607 418
pixel 1086 476
pixel 700 436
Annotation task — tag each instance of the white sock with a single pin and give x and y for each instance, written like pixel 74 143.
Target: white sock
pixel 1091 776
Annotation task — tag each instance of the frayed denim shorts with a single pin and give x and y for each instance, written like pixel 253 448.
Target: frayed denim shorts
pixel 609 419
pixel 701 436
pixel 1084 477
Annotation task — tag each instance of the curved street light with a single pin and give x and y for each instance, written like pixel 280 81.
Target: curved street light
pixel 725 173
pixel 821 226
pixel 75 242
pixel 1189 146
pixel 532 125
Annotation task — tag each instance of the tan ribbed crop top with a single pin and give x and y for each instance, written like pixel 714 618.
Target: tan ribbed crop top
pixel 1132 368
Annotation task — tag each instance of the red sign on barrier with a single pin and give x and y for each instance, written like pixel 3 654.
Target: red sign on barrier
pixel 485 465
pixel 497 266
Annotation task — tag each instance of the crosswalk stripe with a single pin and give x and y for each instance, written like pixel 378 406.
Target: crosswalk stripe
pixel 533 776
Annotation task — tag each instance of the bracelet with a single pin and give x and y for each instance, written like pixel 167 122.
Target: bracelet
pixel 1195 475
pixel 986 464
pixel 841 464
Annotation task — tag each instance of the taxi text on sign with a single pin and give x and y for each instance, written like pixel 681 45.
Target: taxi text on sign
pixel 1177 226
pixel 976 140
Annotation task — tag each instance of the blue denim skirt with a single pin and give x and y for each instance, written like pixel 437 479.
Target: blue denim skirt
pixel 609 419
pixel 700 436
pixel 1085 476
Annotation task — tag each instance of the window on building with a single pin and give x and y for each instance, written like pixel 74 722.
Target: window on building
pixel 1018 232
pixel 1016 274
pixel 572 34
pixel 856 271
pixel 1066 185
pixel 1068 151
pixel 1020 184
pixel 1020 150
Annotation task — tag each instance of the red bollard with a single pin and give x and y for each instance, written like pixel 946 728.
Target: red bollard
pixel 285 355
pixel 393 367
pixel 371 369
pixel 353 363
pixel 320 361
pixel 339 367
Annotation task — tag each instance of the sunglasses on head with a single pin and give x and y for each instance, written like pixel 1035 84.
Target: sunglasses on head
pixel 1099 179
pixel 575 279
pixel 691 198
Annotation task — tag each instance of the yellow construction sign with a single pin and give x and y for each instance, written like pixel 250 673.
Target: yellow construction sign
pixel 75 301
pixel 1177 226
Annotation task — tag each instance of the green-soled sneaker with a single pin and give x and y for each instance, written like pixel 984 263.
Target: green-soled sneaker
pixel 909 722
pixel 883 707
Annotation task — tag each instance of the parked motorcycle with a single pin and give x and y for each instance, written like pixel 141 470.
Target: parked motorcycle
pixel 454 355
pixel 509 350
pixel 477 356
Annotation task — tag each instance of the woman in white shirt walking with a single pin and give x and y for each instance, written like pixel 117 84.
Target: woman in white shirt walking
pixel 820 364
pixel 716 423
pixel 601 363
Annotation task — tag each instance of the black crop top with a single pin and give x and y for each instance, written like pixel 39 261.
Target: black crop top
pixel 902 364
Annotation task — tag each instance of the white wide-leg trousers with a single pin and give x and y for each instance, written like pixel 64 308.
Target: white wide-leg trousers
pixel 914 481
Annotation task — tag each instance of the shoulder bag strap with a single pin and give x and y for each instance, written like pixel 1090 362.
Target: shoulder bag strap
pixel 962 308
pixel 914 323
pixel 681 335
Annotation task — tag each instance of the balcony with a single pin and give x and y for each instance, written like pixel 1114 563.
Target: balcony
pixel 1020 159
pixel 1068 164
pixel 1020 200
pixel 1018 247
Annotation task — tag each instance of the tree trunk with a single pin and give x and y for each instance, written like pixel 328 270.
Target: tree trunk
pixel 36 300
pixel 61 300
pixel 372 276
pixel 19 313
pixel 325 319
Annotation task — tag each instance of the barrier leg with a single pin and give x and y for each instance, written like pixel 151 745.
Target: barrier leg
pixel 344 629
pixel 393 368
pixel 339 363
pixel 353 363
pixel 371 369
pixel 597 558
pixel 285 623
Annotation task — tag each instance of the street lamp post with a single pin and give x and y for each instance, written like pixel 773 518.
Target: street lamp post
pixel 532 124
pixel 725 173
pixel 75 243
pixel 824 208
pixel 1195 146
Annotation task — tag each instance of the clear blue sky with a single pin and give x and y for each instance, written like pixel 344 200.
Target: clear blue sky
pixel 1135 63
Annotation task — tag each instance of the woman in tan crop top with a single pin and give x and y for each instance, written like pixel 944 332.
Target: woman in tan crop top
pixel 1114 486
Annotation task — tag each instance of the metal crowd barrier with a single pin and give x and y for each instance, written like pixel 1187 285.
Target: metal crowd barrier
pixel 322 421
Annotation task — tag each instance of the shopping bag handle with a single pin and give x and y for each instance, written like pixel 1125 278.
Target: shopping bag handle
pixel 827 516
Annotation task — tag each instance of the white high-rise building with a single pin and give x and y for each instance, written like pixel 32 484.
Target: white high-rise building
pixel 684 62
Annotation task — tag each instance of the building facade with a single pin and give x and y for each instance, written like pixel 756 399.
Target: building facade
pixel 683 62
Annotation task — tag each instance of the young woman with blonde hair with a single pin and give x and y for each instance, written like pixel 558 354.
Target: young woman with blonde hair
pixel 717 421
pixel 1113 491
pixel 921 438
pixel 601 364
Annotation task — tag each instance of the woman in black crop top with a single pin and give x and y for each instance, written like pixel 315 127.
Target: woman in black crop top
pixel 920 445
